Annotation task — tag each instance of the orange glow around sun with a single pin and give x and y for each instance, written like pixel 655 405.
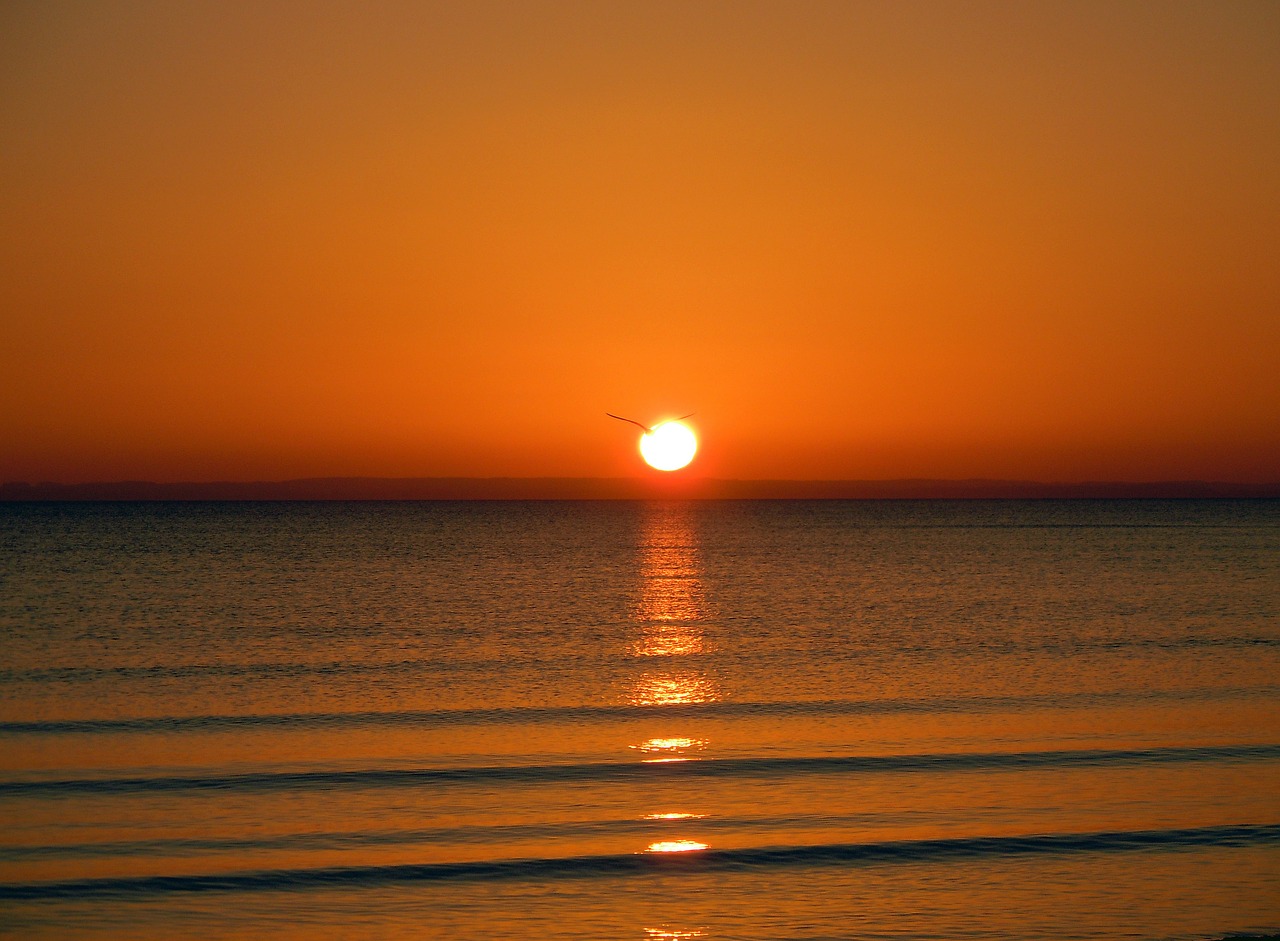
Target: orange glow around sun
pixel 395 244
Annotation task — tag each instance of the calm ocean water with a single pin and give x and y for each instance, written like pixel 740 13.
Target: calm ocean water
pixel 826 720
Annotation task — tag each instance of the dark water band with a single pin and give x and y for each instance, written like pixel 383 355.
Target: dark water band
pixel 618 713
pixel 589 772
pixel 634 864
pixel 84 673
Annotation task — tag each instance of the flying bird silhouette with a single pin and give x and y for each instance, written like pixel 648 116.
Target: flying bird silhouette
pixel 645 428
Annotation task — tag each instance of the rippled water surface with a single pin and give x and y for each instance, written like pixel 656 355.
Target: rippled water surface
pixel 1041 720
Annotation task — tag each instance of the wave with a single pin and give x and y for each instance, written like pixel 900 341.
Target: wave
pixel 467 834
pixel 707 860
pixel 548 714
pixel 301 669
pixel 611 771
pixel 278 670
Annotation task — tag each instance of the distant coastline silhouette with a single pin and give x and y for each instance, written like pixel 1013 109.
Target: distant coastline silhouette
pixel 626 488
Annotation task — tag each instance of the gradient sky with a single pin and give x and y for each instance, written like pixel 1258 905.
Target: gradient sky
pixel 259 241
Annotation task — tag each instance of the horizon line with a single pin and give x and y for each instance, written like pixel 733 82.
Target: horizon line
pixel 362 488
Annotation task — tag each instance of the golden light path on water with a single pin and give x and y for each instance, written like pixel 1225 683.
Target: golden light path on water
pixel 671 612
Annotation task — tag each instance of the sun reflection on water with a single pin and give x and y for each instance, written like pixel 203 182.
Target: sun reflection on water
pixel 675 846
pixel 671 610
pixel 670 572
pixel 669 749
pixel 671 744
pixel 669 640
pixel 673 688
pixel 673 934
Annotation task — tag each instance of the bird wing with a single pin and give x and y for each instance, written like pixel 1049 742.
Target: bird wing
pixel 646 429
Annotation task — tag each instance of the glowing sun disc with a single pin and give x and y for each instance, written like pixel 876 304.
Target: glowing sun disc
pixel 670 446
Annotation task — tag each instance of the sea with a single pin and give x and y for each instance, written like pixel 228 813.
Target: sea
pixel 640 720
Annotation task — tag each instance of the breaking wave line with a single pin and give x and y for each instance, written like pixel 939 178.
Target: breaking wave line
pixel 637 864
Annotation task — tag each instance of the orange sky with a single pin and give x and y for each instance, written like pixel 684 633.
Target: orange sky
pixel 259 241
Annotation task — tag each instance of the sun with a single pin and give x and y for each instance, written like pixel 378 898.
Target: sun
pixel 669 446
